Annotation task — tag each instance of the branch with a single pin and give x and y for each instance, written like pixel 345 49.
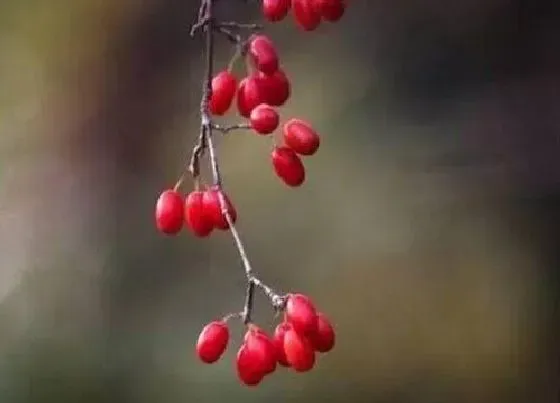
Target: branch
pixel 205 141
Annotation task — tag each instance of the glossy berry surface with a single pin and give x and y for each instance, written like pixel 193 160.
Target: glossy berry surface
pixel 305 14
pixel 288 166
pixel 330 10
pixel 263 54
pixel 213 209
pixel 301 314
pixel 324 337
pixel 169 213
pixel 224 86
pixel 250 94
pixel 249 366
pixel 197 221
pixel 278 340
pixel 301 137
pixel 299 351
pixel 263 349
pixel 276 88
pixel 264 119
pixel 275 10
pixel 212 342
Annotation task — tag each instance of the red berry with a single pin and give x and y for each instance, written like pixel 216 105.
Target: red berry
pixel 330 10
pixel 249 368
pixel 307 18
pixel 169 212
pixel 264 119
pixel 301 314
pixel 212 341
pixel 300 137
pixel 288 166
pixel 250 94
pixel 276 88
pixel 323 339
pixel 278 340
pixel 263 349
pixel 263 54
pixel 299 352
pixel 224 85
pixel 213 208
pixel 275 10
pixel 196 218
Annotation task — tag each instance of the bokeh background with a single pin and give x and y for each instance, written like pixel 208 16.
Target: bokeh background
pixel 429 227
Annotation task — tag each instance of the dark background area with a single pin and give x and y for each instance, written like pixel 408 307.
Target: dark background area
pixel 428 228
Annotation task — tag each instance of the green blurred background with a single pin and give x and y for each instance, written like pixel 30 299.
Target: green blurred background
pixel 428 227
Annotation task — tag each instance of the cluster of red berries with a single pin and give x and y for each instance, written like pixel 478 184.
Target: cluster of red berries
pixel 294 343
pixel 304 332
pixel 307 13
pixel 257 96
pixel 201 211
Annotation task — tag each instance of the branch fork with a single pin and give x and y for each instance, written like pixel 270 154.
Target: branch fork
pixel 205 142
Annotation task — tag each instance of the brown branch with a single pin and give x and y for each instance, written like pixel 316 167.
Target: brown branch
pixel 205 141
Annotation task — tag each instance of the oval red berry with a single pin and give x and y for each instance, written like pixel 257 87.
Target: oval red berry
pixel 323 339
pixel 264 119
pixel 250 94
pixel 224 85
pixel 275 10
pixel 288 166
pixel 212 342
pixel 306 17
pixel 248 366
pixel 263 349
pixel 263 53
pixel 213 208
pixel 301 314
pixel 196 218
pixel 330 10
pixel 278 340
pixel 169 213
pixel 276 88
pixel 301 137
pixel 299 352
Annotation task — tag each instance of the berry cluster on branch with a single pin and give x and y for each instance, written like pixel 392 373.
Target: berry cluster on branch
pixel 266 87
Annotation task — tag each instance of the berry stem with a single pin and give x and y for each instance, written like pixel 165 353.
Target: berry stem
pixel 227 129
pixel 205 141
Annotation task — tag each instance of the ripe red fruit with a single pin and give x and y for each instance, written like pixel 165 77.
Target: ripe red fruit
pixel 213 210
pixel 264 119
pixel 169 212
pixel 224 85
pixel 250 94
pixel 249 368
pixel 301 137
pixel 278 340
pixel 299 352
pixel 275 87
pixel 323 339
pixel 288 166
pixel 330 10
pixel 263 53
pixel 260 344
pixel 196 218
pixel 306 16
pixel 275 10
pixel 301 314
pixel 212 341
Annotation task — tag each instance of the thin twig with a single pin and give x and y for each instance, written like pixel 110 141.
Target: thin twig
pixel 240 26
pixel 227 129
pixel 205 141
